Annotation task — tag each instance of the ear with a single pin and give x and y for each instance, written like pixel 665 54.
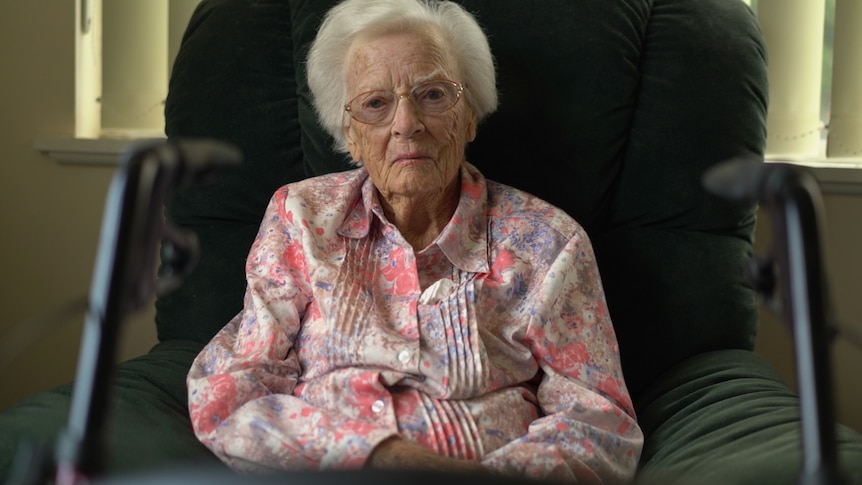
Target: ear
pixel 471 126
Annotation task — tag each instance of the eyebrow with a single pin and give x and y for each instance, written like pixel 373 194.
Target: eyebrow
pixel 435 75
pixel 430 77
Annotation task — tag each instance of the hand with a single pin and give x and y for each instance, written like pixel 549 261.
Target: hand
pixel 397 454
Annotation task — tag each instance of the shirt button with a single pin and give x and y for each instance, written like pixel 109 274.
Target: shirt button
pixel 404 356
pixel 378 406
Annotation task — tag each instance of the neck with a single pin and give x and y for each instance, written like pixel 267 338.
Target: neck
pixel 420 219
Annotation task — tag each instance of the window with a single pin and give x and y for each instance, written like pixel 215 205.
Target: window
pixel 815 110
pixel 815 82
pixel 126 48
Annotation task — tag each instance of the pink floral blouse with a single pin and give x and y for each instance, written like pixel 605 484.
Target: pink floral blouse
pixel 492 344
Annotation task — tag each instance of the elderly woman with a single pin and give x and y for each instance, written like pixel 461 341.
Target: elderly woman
pixel 411 313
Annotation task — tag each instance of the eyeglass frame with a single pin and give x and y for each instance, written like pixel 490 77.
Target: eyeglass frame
pixel 398 97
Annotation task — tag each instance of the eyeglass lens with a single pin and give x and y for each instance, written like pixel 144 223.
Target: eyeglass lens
pixel 430 98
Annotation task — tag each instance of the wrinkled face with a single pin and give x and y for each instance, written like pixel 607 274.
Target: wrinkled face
pixel 414 154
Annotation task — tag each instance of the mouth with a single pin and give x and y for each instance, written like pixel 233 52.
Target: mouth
pixel 411 157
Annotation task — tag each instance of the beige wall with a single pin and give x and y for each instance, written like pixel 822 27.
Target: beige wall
pixel 842 240
pixel 50 214
pixel 50 217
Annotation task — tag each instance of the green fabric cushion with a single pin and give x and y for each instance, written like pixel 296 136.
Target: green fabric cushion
pixel 671 255
pixel 233 80
pixel 727 417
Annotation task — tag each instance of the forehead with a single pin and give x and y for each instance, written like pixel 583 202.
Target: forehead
pixel 390 60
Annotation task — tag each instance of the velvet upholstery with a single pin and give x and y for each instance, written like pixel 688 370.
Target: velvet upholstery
pixel 610 109
pixel 590 101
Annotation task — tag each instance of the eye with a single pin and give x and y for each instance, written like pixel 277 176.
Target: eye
pixel 376 102
pixel 372 106
pixel 436 96
pixel 431 94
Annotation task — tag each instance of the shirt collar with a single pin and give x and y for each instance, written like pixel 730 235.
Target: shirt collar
pixel 464 240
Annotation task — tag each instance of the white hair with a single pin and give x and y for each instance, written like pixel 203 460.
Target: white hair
pixel 327 58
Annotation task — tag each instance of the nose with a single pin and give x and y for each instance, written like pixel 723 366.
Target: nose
pixel 406 121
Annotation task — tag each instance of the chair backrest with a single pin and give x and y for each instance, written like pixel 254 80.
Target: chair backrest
pixel 610 109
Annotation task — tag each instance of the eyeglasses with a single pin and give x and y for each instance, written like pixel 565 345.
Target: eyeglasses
pixel 430 98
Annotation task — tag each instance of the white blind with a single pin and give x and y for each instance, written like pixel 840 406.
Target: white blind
pixel 793 30
pixel 815 78
pixel 88 69
pixel 845 123
pixel 124 63
pixel 134 65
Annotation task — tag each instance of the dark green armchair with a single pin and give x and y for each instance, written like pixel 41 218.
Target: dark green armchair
pixel 611 110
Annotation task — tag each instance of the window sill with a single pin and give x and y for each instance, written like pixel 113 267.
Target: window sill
pixel 85 151
pixel 836 176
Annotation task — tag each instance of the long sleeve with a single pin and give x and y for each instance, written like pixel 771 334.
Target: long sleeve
pixel 243 385
pixel 588 429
